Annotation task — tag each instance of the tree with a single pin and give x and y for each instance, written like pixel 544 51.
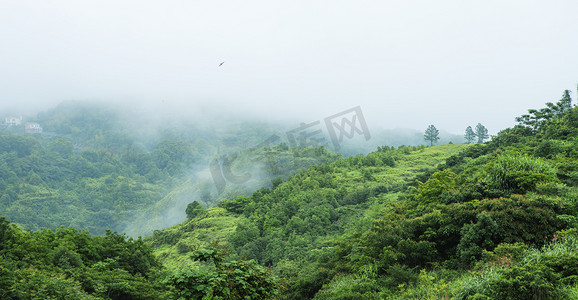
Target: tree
pixel 477 237
pixel 536 118
pixel 470 135
pixel 240 279
pixel 565 103
pixel 193 210
pixel 481 133
pixel 431 134
pixel 62 146
pixel 173 156
pixel 438 183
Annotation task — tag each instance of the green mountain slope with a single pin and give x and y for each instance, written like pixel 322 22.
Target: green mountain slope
pixel 288 223
pixel 488 221
pixel 470 222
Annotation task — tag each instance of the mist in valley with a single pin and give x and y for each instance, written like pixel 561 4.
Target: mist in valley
pixel 224 78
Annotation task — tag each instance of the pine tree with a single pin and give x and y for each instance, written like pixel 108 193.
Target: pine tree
pixel 536 118
pixel 565 103
pixel 431 134
pixel 470 135
pixel 481 133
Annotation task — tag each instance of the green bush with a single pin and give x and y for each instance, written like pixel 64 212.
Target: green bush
pixel 548 149
pixel 36 284
pixel 518 173
pixel 432 189
pixel 531 281
pixel 228 280
pixel 477 237
pixel 548 273
pixel 400 274
pixel 194 209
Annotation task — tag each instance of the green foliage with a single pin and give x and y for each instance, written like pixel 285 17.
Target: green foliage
pixel 519 173
pixel 36 284
pixel 21 146
pixel 95 175
pixel 531 220
pixel 432 189
pixel 494 220
pixel 248 231
pixel 477 237
pixel 431 285
pixel 293 225
pixel 398 274
pixel 481 133
pixel 539 274
pixel 62 146
pixel 72 264
pixel 431 134
pixel 505 254
pixel 194 209
pixel 351 229
pixel 358 286
pixel 166 237
pixel 470 135
pixel 548 149
pixel 235 205
pixel 537 118
pixel 174 156
pixel 307 286
pixel 53 186
pixel 229 279
pixel 460 231
pixel 562 128
pixel 512 136
pixel 531 281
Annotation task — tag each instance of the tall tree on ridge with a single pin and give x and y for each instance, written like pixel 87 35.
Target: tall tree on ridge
pixel 481 133
pixel 431 134
pixel 470 135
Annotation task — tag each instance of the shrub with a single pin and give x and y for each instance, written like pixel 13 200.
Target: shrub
pixel 518 173
pixel 476 238
pixel 547 149
pixel 531 281
pixel 230 279
pixel 194 209
pixel 431 190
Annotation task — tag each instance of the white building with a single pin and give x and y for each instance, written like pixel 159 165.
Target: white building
pixel 12 121
pixel 32 127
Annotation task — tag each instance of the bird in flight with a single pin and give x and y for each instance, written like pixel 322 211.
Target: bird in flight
pixel 221 64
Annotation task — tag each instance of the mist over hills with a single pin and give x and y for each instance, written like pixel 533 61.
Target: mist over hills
pixel 96 152
pixel 288 150
pixel 161 157
pixel 254 210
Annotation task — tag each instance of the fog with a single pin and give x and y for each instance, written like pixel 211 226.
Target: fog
pixel 201 187
pixel 228 67
pixel 408 64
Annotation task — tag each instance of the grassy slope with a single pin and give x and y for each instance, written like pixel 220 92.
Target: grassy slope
pixel 216 224
pixel 171 244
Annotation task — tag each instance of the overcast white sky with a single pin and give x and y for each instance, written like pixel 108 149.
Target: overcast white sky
pixel 407 63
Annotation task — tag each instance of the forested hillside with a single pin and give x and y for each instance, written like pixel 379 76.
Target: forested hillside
pixel 490 221
pixel 487 221
pixel 95 170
